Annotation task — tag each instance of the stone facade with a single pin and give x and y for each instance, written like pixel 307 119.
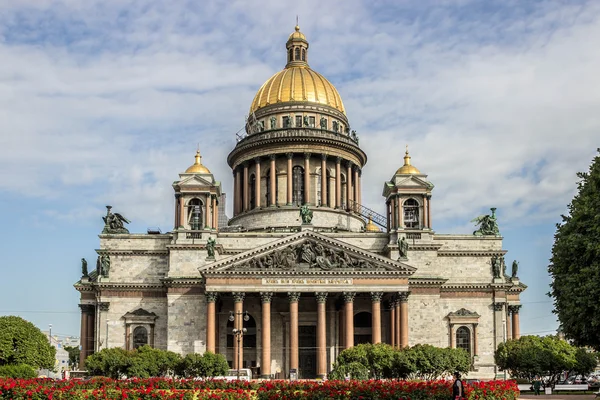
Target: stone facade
pixel 303 287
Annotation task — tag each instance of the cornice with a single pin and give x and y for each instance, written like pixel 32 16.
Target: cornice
pixel 265 274
pixel 130 286
pixel 133 252
pixel 183 282
pixel 426 282
pixel 470 253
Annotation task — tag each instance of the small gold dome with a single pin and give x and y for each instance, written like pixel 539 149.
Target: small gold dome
pixel 197 167
pixel 371 227
pixel 297 34
pixel 407 168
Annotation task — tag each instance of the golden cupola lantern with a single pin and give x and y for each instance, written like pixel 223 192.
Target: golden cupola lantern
pixel 407 168
pixel 197 167
pixel 371 227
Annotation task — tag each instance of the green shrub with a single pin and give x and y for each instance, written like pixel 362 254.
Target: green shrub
pixel 19 371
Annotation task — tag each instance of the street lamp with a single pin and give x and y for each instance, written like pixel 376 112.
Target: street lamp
pixel 239 333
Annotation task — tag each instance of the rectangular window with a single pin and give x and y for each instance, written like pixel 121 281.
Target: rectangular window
pixel 311 122
pixel 298 121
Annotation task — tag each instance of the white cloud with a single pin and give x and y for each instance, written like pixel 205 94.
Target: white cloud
pixel 105 102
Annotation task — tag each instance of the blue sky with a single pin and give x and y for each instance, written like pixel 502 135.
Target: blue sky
pixel 104 102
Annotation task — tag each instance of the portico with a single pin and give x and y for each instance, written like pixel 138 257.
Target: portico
pixel 333 283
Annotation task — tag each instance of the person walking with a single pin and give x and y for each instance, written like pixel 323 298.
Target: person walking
pixel 537 383
pixel 458 390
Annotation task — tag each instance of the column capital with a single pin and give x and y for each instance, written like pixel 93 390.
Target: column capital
pixel 238 297
pixel 265 297
pixel 103 305
pixel 324 157
pixel 403 297
pixel 294 297
pixel 273 157
pixel 307 156
pixel 245 164
pixel 211 297
pixel 376 296
pixel 349 296
pixel 392 303
pixel 348 164
pixel 321 297
pixel 257 160
pixel 498 306
pixel 289 155
pixel 514 309
pixel 338 160
pixel 86 308
pixel 177 196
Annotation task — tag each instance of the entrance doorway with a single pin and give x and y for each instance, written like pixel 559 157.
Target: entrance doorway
pixel 307 352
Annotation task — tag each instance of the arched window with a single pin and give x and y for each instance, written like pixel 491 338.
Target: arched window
pixel 362 328
pixel 252 191
pixel 303 55
pixel 140 337
pixel 463 339
pixel 290 55
pixel 195 214
pixel 411 213
pixel 297 185
pixel 297 58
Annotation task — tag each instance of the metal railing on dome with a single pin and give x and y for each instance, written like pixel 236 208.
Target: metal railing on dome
pixel 367 212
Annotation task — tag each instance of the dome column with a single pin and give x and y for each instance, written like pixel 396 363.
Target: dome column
pixel 206 211
pixel 356 190
pixel 237 195
pixel 290 156
pixel 348 185
pixel 181 212
pixel 245 189
pixel 306 178
pixel 273 183
pixel 338 182
pixel 215 213
pixel 257 183
pixel 324 199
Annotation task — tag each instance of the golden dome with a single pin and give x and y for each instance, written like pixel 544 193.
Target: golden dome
pixel 297 82
pixel 407 168
pixel 371 227
pixel 197 167
pixel 297 34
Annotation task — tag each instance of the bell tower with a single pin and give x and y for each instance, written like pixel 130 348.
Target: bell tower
pixel 197 195
pixel 408 199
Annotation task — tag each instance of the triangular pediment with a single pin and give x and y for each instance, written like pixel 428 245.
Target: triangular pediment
pixel 196 180
pixel 412 181
pixel 307 252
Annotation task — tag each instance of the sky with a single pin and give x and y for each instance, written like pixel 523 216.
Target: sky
pixel 105 102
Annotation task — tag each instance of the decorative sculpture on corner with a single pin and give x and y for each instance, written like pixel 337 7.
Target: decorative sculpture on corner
pixel 323 123
pixel 103 265
pixel 488 226
pixel 402 249
pixel 273 120
pixel 305 120
pixel 84 269
pixel 210 247
pixel 354 136
pixel 515 269
pixel 113 223
pixel 497 266
pixel 306 214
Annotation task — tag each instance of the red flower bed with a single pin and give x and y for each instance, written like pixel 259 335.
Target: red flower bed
pixel 158 388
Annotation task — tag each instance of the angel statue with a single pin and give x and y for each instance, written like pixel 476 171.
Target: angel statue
pixel 488 226
pixel 113 223
pixel 210 247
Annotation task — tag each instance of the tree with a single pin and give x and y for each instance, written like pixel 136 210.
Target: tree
pixel 377 360
pixel 73 355
pixel 202 365
pixel 146 362
pixel 21 342
pixel 575 262
pixel 113 362
pixel 434 363
pixel 586 362
pixel 531 356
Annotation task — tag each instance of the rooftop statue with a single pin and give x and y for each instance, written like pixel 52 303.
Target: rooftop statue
pixel 210 247
pixel 402 248
pixel 84 269
pixel 113 223
pixel 306 214
pixel 488 226
pixel 515 268
pixel 323 123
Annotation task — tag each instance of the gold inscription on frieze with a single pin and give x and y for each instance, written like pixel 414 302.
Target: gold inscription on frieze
pixel 307 281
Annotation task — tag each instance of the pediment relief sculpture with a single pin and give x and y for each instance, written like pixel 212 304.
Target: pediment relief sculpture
pixel 307 255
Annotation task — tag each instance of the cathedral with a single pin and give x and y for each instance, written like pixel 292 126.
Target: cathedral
pixel 302 270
